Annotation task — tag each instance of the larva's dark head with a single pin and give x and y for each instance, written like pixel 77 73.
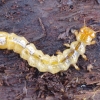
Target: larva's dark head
pixel 86 35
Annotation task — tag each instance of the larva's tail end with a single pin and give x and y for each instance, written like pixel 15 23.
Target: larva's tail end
pixel 3 33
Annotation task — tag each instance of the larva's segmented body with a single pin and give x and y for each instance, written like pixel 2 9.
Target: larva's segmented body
pixel 45 63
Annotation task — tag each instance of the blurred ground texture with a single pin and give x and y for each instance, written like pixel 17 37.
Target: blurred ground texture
pixel 47 24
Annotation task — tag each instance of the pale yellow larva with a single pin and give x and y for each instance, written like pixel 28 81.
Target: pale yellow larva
pixel 43 62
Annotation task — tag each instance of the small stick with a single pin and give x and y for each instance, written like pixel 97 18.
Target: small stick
pixel 41 23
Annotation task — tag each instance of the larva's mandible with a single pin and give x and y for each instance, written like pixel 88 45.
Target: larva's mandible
pixel 45 63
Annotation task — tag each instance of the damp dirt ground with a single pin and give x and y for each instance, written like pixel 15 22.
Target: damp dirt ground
pixel 47 24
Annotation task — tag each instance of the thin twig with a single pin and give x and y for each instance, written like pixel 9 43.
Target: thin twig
pixel 41 23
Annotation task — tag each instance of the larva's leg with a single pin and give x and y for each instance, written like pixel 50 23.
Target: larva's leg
pixel 75 32
pixel 58 52
pixel 66 44
pixel 84 56
pixel 92 42
pixel 76 67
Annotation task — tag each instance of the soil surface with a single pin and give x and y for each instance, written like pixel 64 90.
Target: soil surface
pixel 47 24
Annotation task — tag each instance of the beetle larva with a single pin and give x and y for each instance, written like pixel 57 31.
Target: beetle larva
pixel 43 62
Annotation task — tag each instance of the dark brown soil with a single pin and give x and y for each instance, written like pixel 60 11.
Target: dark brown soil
pixel 47 24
